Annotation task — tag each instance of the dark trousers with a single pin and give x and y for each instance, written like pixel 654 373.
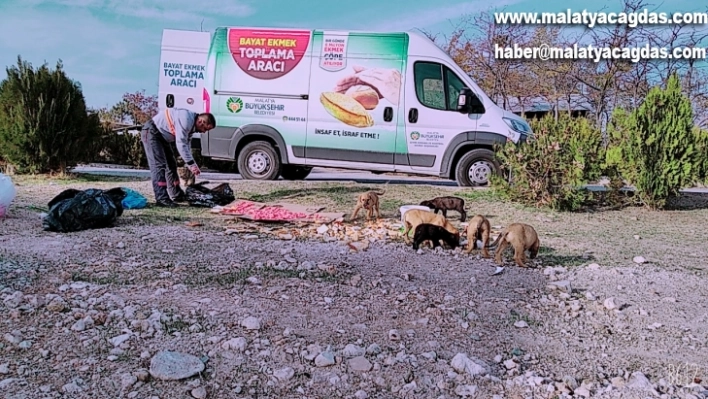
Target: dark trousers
pixel 162 163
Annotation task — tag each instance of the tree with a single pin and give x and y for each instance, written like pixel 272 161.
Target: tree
pixel 604 84
pixel 122 147
pixel 551 170
pixel 44 123
pixel 472 46
pixel 555 78
pixel 604 78
pixel 133 109
pixel 693 79
pixel 654 147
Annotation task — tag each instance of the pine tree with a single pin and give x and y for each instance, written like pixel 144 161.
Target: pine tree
pixel 44 125
pixel 661 151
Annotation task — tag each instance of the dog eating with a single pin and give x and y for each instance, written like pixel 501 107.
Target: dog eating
pixel 479 228
pixel 445 204
pixel 434 233
pixel 522 237
pixel 370 202
pixel 415 217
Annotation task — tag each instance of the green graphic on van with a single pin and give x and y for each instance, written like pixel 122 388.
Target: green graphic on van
pixel 234 105
pixel 415 135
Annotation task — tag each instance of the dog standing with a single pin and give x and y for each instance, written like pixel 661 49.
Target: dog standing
pixel 434 233
pixel 478 229
pixel 445 204
pixel 521 237
pixel 415 217
pixel 370 202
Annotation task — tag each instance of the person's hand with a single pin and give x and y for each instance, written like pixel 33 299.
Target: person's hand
pixel 352 80
pixel 386 82
pixel 195 170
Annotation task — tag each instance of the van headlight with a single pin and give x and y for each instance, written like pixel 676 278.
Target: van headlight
pixel 518 126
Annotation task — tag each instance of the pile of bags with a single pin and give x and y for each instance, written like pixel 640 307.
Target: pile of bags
pixel 75 210
pixel 200 196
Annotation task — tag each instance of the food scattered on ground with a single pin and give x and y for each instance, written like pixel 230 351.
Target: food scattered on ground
pixel 280 212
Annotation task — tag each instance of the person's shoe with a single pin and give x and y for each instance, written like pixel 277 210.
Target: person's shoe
pixel 166 204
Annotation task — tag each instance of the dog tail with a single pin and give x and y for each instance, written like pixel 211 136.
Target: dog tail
pixel 383 190
pixel 499 237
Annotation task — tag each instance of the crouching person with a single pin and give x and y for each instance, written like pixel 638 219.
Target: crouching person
pixel 172 125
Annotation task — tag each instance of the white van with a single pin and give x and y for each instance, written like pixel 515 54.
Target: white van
pixel 286 100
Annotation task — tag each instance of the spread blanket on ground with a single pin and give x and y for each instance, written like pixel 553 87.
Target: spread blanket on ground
pixel 278 212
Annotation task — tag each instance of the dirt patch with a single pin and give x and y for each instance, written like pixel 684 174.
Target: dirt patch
pixel 86 312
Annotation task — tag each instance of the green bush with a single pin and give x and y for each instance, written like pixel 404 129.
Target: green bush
pixel 44 123
pixel 654 147
pixel 127 149
pixel 701 169
pixel 123 149
pixel 550 170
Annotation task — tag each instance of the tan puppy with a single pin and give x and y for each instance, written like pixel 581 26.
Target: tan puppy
pixel 186 177
pixel 369 201
pixel 478 229
pixel 415 217
pixel 521 237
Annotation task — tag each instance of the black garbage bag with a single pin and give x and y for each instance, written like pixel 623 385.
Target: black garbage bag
pixel 75 210
pixel 198 195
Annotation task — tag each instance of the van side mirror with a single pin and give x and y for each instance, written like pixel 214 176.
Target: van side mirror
pixel 469 103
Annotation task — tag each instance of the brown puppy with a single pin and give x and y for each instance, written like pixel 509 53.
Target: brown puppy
pixel 434 233
pixel 415 217
pixel 478 229
pixel 445 204
pixel 186 177
pixel 369 201
pixel 521 237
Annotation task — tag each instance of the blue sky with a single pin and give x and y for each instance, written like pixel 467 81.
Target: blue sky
pixel 113 46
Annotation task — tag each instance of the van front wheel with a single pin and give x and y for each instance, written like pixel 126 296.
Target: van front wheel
pixel 476 168
pixel 258 161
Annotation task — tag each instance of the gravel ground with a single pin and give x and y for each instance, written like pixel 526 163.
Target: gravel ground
pixel 154 308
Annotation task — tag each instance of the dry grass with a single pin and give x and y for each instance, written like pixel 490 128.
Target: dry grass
pixel 610 238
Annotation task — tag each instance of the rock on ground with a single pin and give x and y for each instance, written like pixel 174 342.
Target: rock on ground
pixel 168 365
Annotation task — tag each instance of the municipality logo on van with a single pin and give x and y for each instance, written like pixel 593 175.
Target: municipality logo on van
pixel 234 105
pixel 415 135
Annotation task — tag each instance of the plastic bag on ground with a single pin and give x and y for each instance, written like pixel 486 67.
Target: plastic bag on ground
pixel 198 195
pixel 75 210
pixel 133 199
pixel 7 194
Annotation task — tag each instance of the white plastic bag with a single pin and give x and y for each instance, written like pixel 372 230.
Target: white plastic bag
pixel 7 194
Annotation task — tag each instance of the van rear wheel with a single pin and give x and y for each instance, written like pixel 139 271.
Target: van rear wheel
pixel 476 168
pixel 258 161
pixel 295 172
